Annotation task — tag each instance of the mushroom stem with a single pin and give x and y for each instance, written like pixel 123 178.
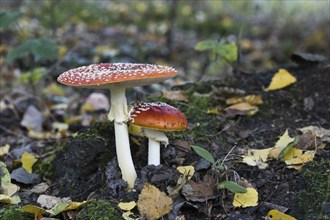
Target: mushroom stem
pixel 119 114
pixel 153 152
pixel 155 137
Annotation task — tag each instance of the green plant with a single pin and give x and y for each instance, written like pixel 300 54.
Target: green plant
pixel 13 212
pixel 41 49
pixel 218 165
pixel 8 18
pixel 226 51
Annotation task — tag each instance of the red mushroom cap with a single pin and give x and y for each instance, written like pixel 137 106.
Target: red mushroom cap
pixel 158 116
pixel 107 75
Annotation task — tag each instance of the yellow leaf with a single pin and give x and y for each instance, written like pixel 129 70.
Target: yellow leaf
pixel 277 215
pixel 299 161
pixel 280 80
pixel 28 160
pixel 187 171
pixel 4 149
pixel 9 199
pixel 248 199
pixel 257 157
pixel 284 140
pixel 153 203
pixel 53 89
pixel 74 205
pixel 243 108
pixel 251 99
pixel 127 206
pixel 35 210
pixel 293 152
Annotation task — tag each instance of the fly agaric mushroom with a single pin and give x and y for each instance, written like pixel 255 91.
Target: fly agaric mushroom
pixel 117 77
pixel 155 118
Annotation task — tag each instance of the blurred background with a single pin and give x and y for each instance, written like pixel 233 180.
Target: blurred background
pixel 45 38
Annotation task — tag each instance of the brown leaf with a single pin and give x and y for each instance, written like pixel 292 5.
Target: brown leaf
pixel 199 191
pixel 307 141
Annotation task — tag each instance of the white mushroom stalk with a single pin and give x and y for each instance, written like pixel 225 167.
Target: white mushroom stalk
pixel 119 115
pixel 155 138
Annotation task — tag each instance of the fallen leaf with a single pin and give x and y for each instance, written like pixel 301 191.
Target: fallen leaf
pixel 4 149
pixel 257 157
pixel 283 142
pixel 322 133
pixel 242 108
pixel 248 199
pixel 298 161
pixel 280 80
pixel 175 96
pixel 308 141
pixel 53 89
pixel 74 205
pixel 199 191
pixel 277 215
pixel 35 210
pixel 127 206
pixel 186 171
pixel 28 160
pixel 251 99
pixel 153 203
pixel 292 153
pixel 7 189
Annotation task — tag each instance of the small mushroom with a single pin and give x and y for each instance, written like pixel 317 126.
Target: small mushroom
pixel 155 118
pixel 117 77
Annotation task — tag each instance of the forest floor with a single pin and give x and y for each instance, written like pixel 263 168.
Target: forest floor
pixel 84 166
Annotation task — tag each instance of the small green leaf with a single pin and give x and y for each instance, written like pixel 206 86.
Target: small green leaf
pixel 231 186
pixel 205 45
pixel 227 51
pixel 203 153
pixel 287 148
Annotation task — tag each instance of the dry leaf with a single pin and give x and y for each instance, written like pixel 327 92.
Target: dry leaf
pixel 298 161
pixel 280 80
pixel 199 191
pixel 257 157
pixel 175 96
pixel 251 99
pixel 187 171
pixel 28 160
pixel 248 199
pixel 242 108
pixel 4 149
pixel 127 206
pixel 322 133
pixel 153 203
pixel 277 215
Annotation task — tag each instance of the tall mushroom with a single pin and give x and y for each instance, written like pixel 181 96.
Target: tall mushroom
pixel 155 118
pixel 117 77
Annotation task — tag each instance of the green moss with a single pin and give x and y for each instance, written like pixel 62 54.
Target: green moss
pixel 12 212
pixel 99 210
pixel 316 191
pixel 44 166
